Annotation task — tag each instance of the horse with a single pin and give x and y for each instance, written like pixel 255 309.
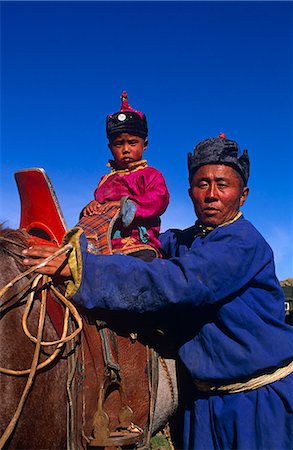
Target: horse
pixel 44 420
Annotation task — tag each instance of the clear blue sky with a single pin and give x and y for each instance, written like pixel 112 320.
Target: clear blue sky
pixel 194 68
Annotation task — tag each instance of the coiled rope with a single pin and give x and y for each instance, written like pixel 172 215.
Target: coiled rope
pixel 33 294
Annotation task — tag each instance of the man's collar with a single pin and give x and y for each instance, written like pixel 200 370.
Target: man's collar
pixel 202 230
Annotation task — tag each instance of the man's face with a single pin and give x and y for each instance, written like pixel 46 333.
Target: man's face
pixel 217 193
pixel 127 148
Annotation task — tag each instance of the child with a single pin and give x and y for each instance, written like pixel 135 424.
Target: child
pixel 131 176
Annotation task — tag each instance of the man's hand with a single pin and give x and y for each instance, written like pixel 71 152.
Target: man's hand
pixel 57 267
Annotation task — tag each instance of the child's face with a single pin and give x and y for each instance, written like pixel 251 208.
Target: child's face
pixel 127 148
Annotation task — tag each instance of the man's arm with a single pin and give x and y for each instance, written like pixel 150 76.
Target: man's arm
pixel 217 270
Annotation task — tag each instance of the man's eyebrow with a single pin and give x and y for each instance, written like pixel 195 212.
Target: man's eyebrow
pixel 216 179
pixel 204 179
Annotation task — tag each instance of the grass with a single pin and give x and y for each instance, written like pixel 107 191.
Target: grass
pixel 159 442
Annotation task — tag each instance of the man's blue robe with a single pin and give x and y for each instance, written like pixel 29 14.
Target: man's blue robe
pixel 227 311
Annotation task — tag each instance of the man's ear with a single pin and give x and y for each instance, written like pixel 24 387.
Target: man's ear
pixel 244 195
pixel 146 143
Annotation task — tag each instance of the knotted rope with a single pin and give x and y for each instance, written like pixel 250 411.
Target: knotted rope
pixel 32 295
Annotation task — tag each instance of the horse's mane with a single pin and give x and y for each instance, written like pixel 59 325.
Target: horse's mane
pixel 12 242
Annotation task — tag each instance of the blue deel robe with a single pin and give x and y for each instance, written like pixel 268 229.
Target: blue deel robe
pixel 227 309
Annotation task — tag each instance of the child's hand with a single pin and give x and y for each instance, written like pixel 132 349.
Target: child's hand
pixel 103 208
pixel 91 208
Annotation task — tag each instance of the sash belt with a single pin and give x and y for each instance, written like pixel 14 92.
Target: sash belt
pixel 252 383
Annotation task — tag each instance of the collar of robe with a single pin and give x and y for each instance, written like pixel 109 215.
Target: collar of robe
pixel 135 165
pixel 203 230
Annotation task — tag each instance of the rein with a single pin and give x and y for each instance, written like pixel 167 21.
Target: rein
pixel 98 233
pixel 12 241
pixel 16 255
pixel 33 292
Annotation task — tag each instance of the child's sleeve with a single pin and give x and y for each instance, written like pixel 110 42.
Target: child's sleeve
pixel 98 193
pixel 154 197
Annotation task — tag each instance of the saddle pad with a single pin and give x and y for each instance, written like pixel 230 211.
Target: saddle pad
pixel 98 230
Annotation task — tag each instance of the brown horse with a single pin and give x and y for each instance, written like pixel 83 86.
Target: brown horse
pixel 43 422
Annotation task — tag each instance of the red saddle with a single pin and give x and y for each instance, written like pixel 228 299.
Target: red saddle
pixel 114 387
pixel 43 220
pixel 41 215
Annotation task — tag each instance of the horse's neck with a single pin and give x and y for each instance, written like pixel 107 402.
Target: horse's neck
pixel 12 243
pixel 16 353
pixel 12 308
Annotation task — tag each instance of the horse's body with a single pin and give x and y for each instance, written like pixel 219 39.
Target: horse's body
pixel 43 422
pixel 42 425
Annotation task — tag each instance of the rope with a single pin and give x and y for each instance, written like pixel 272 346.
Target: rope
pixel 33 295
pixel 69 307
pixel 34 268
pixel 251 384
pixel 32 373
pixel 167 433
pixel 12 241
pixel 71 370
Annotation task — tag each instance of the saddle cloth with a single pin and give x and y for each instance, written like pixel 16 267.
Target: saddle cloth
pixel 114 388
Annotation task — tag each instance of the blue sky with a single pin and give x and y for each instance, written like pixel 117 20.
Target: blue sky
pixel 194 68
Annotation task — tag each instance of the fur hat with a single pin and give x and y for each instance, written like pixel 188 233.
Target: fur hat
pixel 127 120
pixel 219 151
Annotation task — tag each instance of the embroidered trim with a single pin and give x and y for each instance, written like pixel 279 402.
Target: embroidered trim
pixel 202 230
pixel 129 248
pixel 238 215
pixel 141 163
pixel 74 261
pixel 133 167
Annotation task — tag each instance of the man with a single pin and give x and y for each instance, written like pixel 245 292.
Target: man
pixel 221 302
